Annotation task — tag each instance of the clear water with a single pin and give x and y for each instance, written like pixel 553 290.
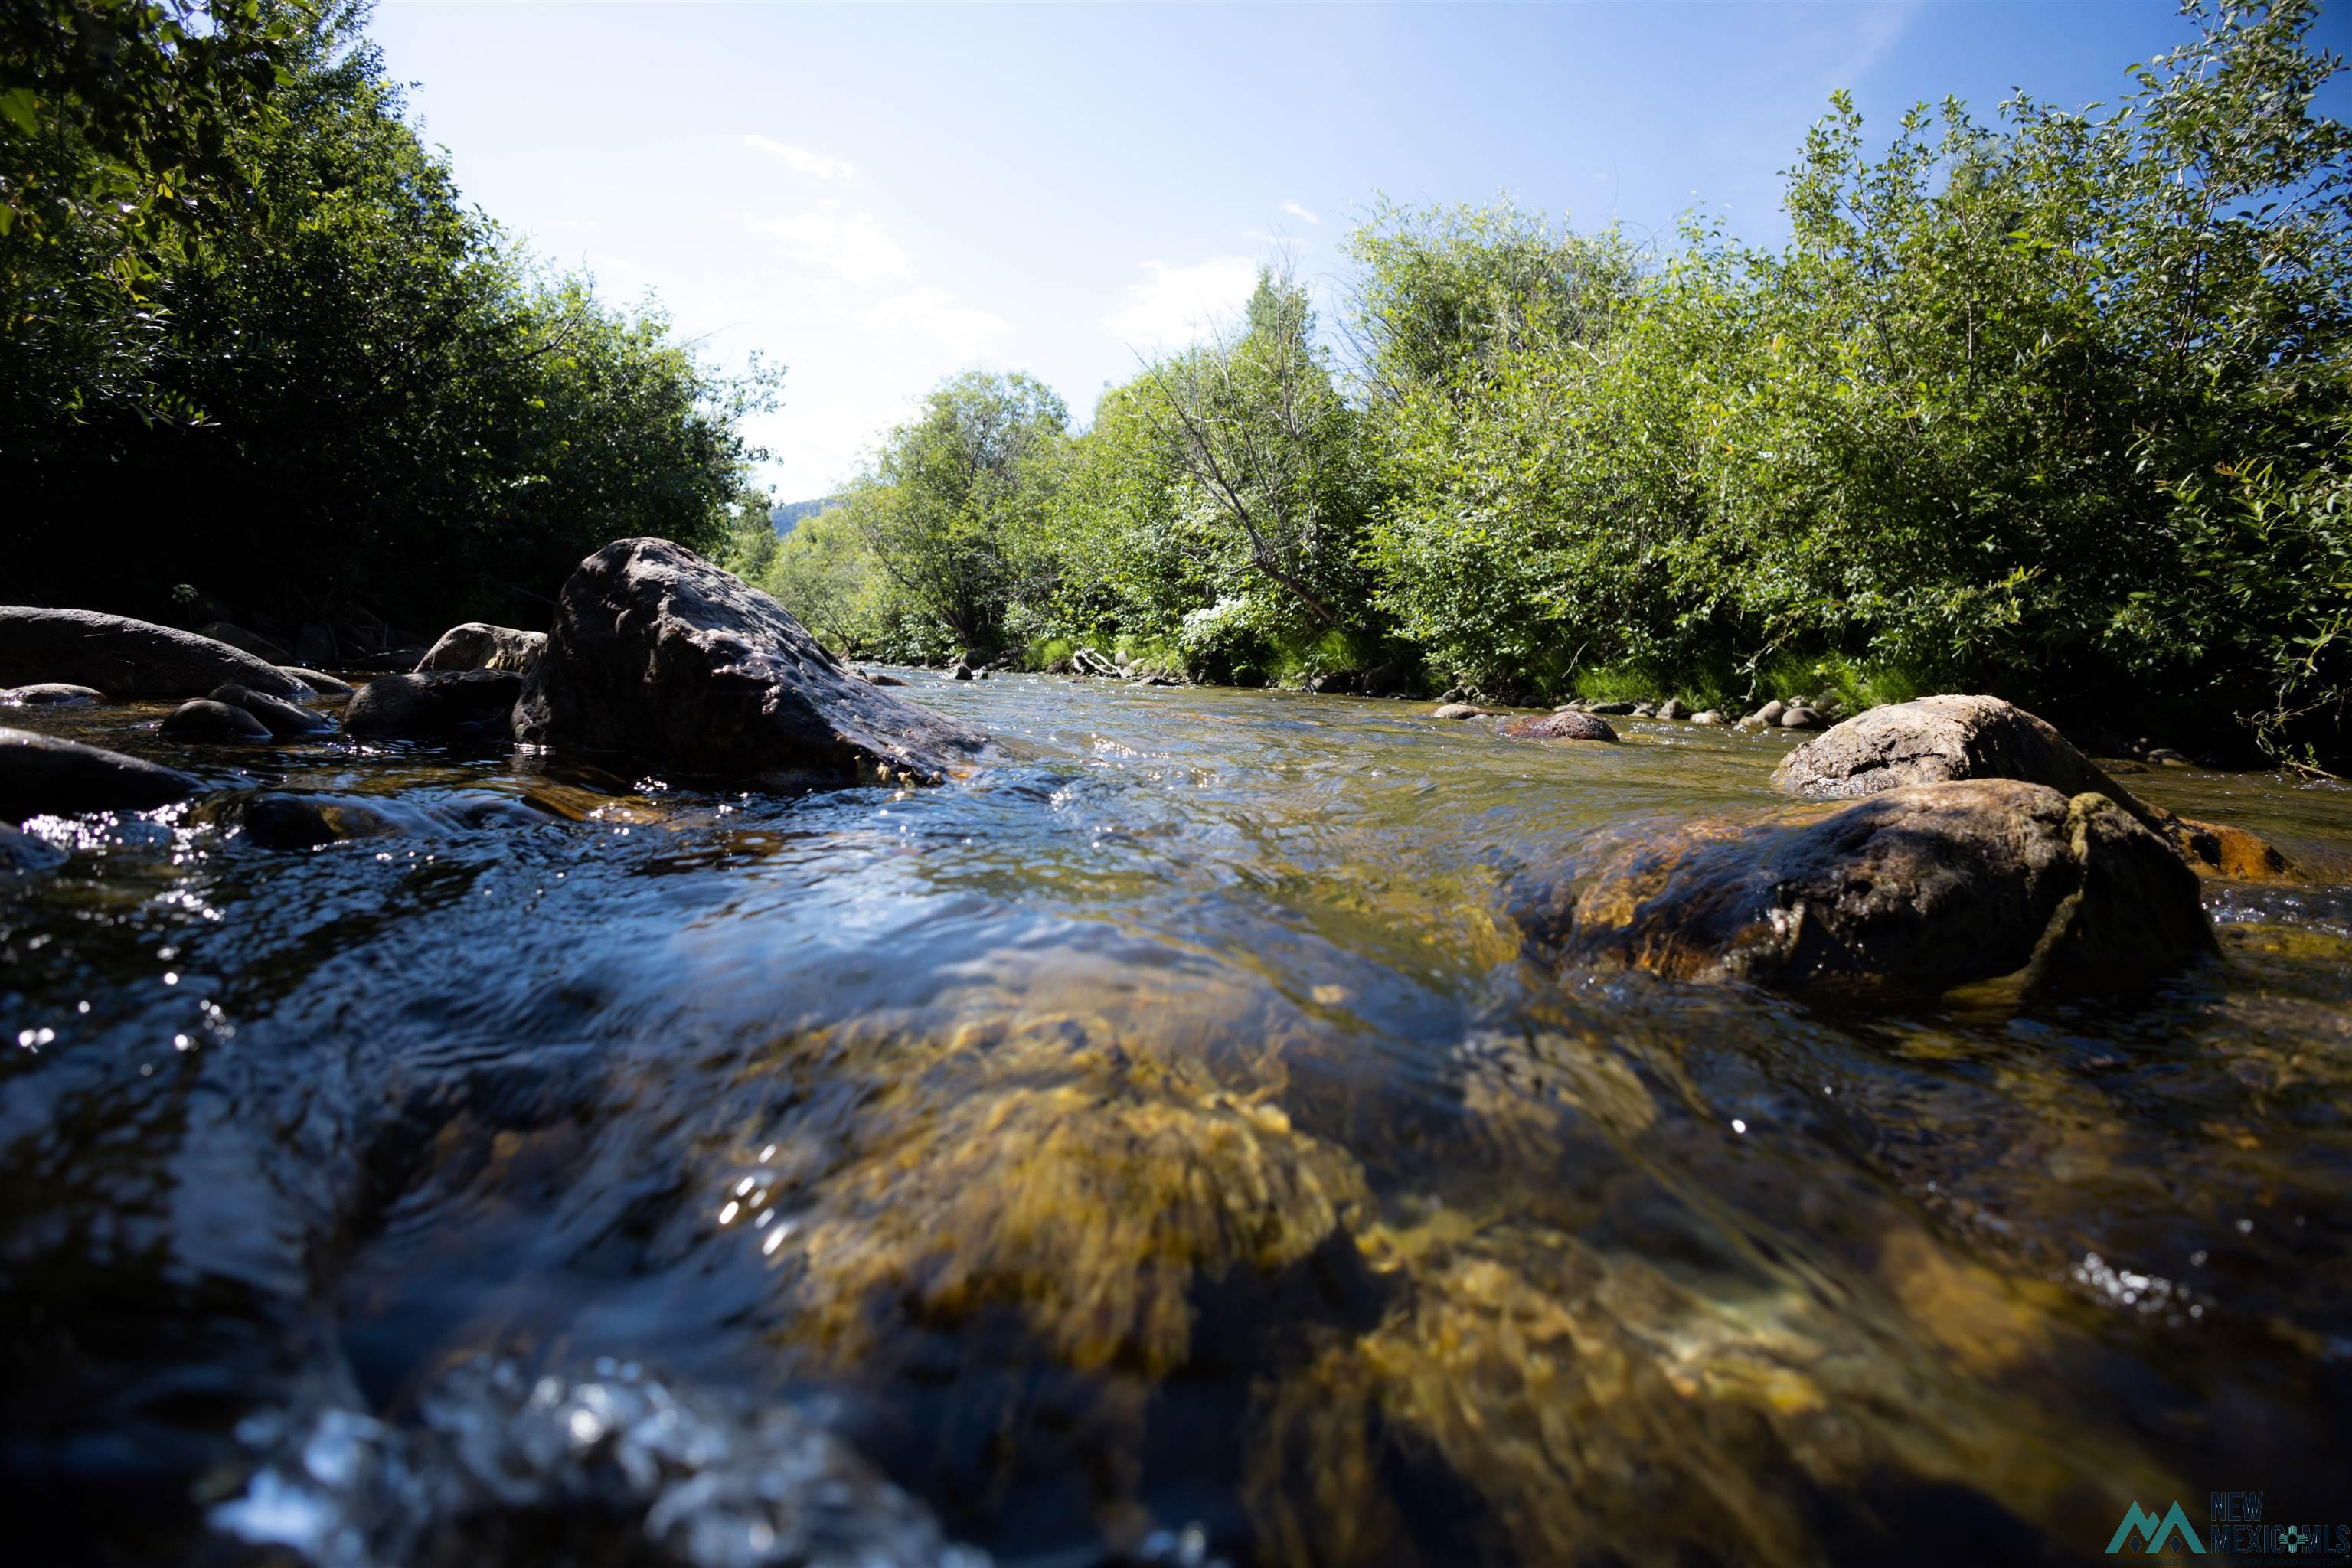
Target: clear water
pixel 1158 1147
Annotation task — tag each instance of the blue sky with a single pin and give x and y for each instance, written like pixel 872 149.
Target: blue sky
pixel 881 196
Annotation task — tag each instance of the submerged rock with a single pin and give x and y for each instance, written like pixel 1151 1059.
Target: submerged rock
pixel 607 1464
pixel 23 852
pixel 477 645
pixel 305 822
pixel 279 716
pixel 434 705
pixel 2233 854
pixel 205 720
pixel 1921 887
pixel 42 775
pixel 49 694
pixel 124 657
pixel 658 655
pixel 1567 726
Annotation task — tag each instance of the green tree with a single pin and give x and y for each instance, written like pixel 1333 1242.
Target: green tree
pixel 1258 422
pixel 312 380
pixel 953 505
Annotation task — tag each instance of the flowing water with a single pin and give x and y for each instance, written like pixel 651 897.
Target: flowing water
pixel 1160 1147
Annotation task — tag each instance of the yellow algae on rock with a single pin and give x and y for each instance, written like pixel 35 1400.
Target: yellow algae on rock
pixel 1085 1192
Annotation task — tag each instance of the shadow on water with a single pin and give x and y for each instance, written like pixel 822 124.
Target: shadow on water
pixel 1163 1147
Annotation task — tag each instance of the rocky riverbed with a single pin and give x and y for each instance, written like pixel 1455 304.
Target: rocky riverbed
pixel 1187 1133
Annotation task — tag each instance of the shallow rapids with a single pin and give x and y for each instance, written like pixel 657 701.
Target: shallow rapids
pixel 1159 1147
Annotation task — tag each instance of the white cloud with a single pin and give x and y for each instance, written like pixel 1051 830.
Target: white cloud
pixel 1174 304
pixel 1295 210
pixel 964 331
pixel 800 160
pixel 851 243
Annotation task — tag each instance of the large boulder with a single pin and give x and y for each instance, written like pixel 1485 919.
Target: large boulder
pixel 659 656
pixel 1954 737
pixel 123 658
pixel 1938 739
pixel 1918 888
pixel 443 704
pixel 477 645
pixel 42 774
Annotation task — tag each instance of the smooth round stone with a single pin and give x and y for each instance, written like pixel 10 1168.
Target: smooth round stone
pixel 50 694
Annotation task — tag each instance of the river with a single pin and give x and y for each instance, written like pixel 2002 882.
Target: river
pixel 1158 1147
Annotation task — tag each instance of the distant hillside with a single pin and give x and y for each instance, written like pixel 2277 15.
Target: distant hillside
pixel 787 517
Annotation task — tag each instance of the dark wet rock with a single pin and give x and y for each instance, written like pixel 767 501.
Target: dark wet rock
pixel 2165 756
pixel 23 852
pixel 1920 888
pixel 959 672
pixel 1673 707
pixel 123 658
pixel 49 694
pixel 1644 710
pixel 1384 680
pixel 205 720
pixel 319 682
pixel 1709 716
pixel 251 642
pixel 1937 739
pixel 1561 727
pixel 1463 711
pixel 43 775
pixel 1612 708
pixel 878 677
pixel 658 655
pixel 1154 680
pixel 477 645
pixel 438 704
pixel 1802 719
pixel 280 718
